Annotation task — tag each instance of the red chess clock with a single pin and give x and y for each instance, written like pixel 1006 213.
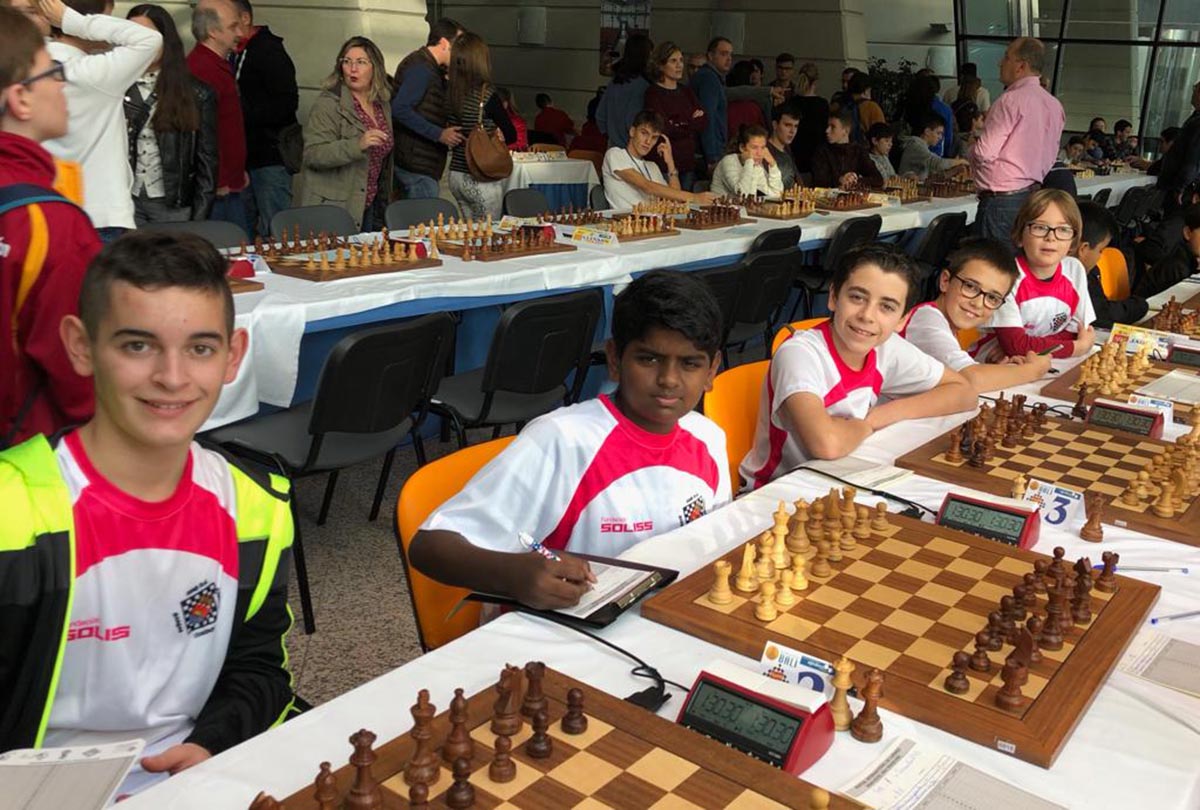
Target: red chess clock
pixel 782 724
pixel 1184 355
pixel 1129 418
pixel 1006 522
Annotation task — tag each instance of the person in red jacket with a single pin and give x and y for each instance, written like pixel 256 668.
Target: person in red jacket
pixel 45 246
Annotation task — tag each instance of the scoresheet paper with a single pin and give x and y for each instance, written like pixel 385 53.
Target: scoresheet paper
pixel 1164 660
pixel 910 777
pixel 1177 386
pixel 80 777
pixel 612 582
pixel 860 472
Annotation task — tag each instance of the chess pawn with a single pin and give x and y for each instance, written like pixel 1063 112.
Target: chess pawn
pixel 879 522
pixel 502 768
pixel 956 682
pixel 747 581
pixel 720 594
pixel 574 721
pixel 540 745
pixel 835 545
pixel 784 597
pixel 765 610
pixel 980 661
pixel 820 566
pixel 862 526
pixel 799 580
pixel 461 794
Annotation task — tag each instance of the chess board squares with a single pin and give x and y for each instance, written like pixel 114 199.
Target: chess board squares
pixel 887 595
pixel 939 593
pixel 628 791
pixel 909 623
pixel 584 772
pixel 989 591
pixel 870 654
pixel 898 548
pixel 925 608
pixel 865 570
pixel 596 730
pixel 735 603
pixel 931 651
pixel 966 568
pixel 792 626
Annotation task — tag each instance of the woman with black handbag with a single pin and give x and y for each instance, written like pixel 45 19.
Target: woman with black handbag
pixel 171 119
pixel 479 163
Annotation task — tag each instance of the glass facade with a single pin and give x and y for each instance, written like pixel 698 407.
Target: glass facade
pixel 1131 59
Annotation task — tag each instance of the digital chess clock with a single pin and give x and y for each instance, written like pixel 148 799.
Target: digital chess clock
pixel 782 724
pixel 1184 355
pixel 1129 418
pixel 1005 521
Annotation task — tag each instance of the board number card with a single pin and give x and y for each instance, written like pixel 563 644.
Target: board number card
pixel 792 666
pixel 594 236
pixel 1059 505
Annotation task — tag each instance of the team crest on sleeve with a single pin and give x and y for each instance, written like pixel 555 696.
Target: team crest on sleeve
pixel 692 510
pixel 198 611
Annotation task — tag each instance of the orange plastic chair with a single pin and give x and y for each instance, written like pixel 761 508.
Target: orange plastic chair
pixel 967 337
pixel 733 404
pixel 424 491
pixel 792 328
pixel 1114 274
pixel 597 158
pixel 547 147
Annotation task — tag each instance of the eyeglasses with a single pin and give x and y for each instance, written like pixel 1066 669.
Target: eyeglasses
pixel 56 72
pixel 358 63
pixel 1063 233
pixel 972 290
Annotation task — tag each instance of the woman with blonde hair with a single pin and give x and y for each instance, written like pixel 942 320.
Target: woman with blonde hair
pixel 348 137
pixel 682 114
pixel 814 113
pixel 473 100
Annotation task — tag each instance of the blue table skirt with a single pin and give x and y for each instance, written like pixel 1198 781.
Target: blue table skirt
pixel 561 195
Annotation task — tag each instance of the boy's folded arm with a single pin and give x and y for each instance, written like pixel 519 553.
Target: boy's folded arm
pixel 952 394
pixel 529 578
pixel 995 377
pixel 823 436
pixel 1015 342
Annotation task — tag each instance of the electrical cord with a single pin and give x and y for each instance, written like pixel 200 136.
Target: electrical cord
pixel 912 505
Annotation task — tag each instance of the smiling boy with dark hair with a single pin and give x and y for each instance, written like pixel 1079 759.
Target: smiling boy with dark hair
pixel 600 476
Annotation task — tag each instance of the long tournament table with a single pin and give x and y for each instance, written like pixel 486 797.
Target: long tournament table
pixel 290 318
pixel 1134 747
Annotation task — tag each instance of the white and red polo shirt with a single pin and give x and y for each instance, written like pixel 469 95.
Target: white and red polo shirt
pixel 586 479
pixel 1040 308
pixel 152 611
pixel 808 363
pixel 929 330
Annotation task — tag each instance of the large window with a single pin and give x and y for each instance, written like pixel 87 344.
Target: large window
pixel 1131 59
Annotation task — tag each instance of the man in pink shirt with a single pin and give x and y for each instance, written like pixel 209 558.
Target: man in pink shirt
pixel 1019 141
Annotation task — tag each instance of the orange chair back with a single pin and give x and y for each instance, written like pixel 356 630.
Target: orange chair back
pixel 424 491
pixel 547 147
pixel 733 404
pixel 967 337
pixel 597 158
pixel 790 329
pixel 1114 274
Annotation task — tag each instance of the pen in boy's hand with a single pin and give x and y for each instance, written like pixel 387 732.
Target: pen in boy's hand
pixel 536 547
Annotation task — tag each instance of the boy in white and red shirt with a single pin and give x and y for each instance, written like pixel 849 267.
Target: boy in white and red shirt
pixel 600 476
pixel 820 393
pixel 1050 309
pixel 978 280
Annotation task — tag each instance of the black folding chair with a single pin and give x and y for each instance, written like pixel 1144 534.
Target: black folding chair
pixel 814 279
pixel 330 219
pixel 404 214
pixel 596 199
pixel 218 233
pixel 766 284
pixel 525 202
pixel 725 285
pixel 940 238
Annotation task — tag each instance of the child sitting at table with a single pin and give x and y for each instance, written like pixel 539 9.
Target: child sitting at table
pixel 880 137
pixel 838 163
pixel 1050 309
pixel 820 392
pixel 1178 262
pixel 749 168
pixel 631 178
pixel 145 587
pixel 1098 230
pixel 980 275
pixel 600 476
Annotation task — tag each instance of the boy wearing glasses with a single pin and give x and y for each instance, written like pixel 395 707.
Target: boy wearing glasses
pixel 1049 310
pixel 979 279
pixel 45 243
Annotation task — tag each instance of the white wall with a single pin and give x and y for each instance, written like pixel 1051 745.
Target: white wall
pixel 899 29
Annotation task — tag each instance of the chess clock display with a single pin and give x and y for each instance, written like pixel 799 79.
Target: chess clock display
pixel 1005 522
pixel 784 725
pixel 1129 418
pixel 1184 356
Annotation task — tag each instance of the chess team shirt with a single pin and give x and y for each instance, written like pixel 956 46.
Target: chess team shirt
pixel 620 195
pixel 1040 307
pixel 929 330
pixel 152 611
pixel 586 479
pixel 808 363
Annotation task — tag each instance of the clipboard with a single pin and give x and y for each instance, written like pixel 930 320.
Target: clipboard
pixel 606 611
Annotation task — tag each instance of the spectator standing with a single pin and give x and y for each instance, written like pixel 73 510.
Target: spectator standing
pixel 923 99
pixel 1181 165
pixel 266 80
pixel 40 391
pixel 551 120
pixel 1019 140
pixel 625 96
pixel 864 112
pixel 784 123
pixel 590 137
pixel 97 78
pixel 709 86
pixel 423 134
pixel 969 88
pixel 840 163
pixel 694 63
pixel 785 74
pixel 473 101
pixel 171 119
pixel 684 119
pixel 216 28
pixel 742 109
pixel 814 116
pixel 348 138
pixel 521 140
pixel 968 126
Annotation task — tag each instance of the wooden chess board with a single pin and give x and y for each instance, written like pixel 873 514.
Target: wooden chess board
pixel 243 285
pixel 683 222
pixel 769 211
pixel 627 759
pixel 833 206
pixel 1076 455
pixel 905 600
pixel 1193 302
pixel 297 268
pixel 1066 387
pixel 456 249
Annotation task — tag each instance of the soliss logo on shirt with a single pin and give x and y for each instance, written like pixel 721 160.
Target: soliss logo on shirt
pixel 623 526
pixel 90 628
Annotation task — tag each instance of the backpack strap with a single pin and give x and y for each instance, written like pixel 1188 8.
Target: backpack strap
pixel 21 194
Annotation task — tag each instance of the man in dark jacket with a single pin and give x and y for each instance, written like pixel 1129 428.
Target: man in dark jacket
pixel 1181 165
pixel 266 80
pixel 45 246
pixel 419 113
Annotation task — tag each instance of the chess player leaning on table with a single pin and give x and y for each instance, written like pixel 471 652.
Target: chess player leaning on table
pixel 819 397
pixel 600 476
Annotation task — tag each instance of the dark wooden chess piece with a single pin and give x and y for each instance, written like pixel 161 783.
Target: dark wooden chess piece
pixel 1015 675
pixel 1034 626
pixel 325 788
pixel 364 793
pixel 1008 619
pixel 506 717
pixel 866 726
pixel 502 768
pixel 423 767
pixel 1080 410
pixel 1067 586
pixel 535 699
pixel 980 662
pixel 540 745
pixel 1040 569
pixel 418 796
pixel 954 453
pixel 1092 530
pixel 1023 647
pixel 461 794
pixel 459 744
pixel 995 631
pixel 574 721
pixel 265 801
pixel 1057 566
pixel 1107 582
pixel 1051 637
pixel 976 459
pixel 1020 600
pixel 957 682
pixel 1081 603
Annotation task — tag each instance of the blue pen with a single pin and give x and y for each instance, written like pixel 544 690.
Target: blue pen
pixel 1159 568
pixel 536 547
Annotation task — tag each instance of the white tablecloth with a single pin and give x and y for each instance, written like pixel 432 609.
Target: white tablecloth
pixel 278 315
pixel 1134 748
pixel 551 172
